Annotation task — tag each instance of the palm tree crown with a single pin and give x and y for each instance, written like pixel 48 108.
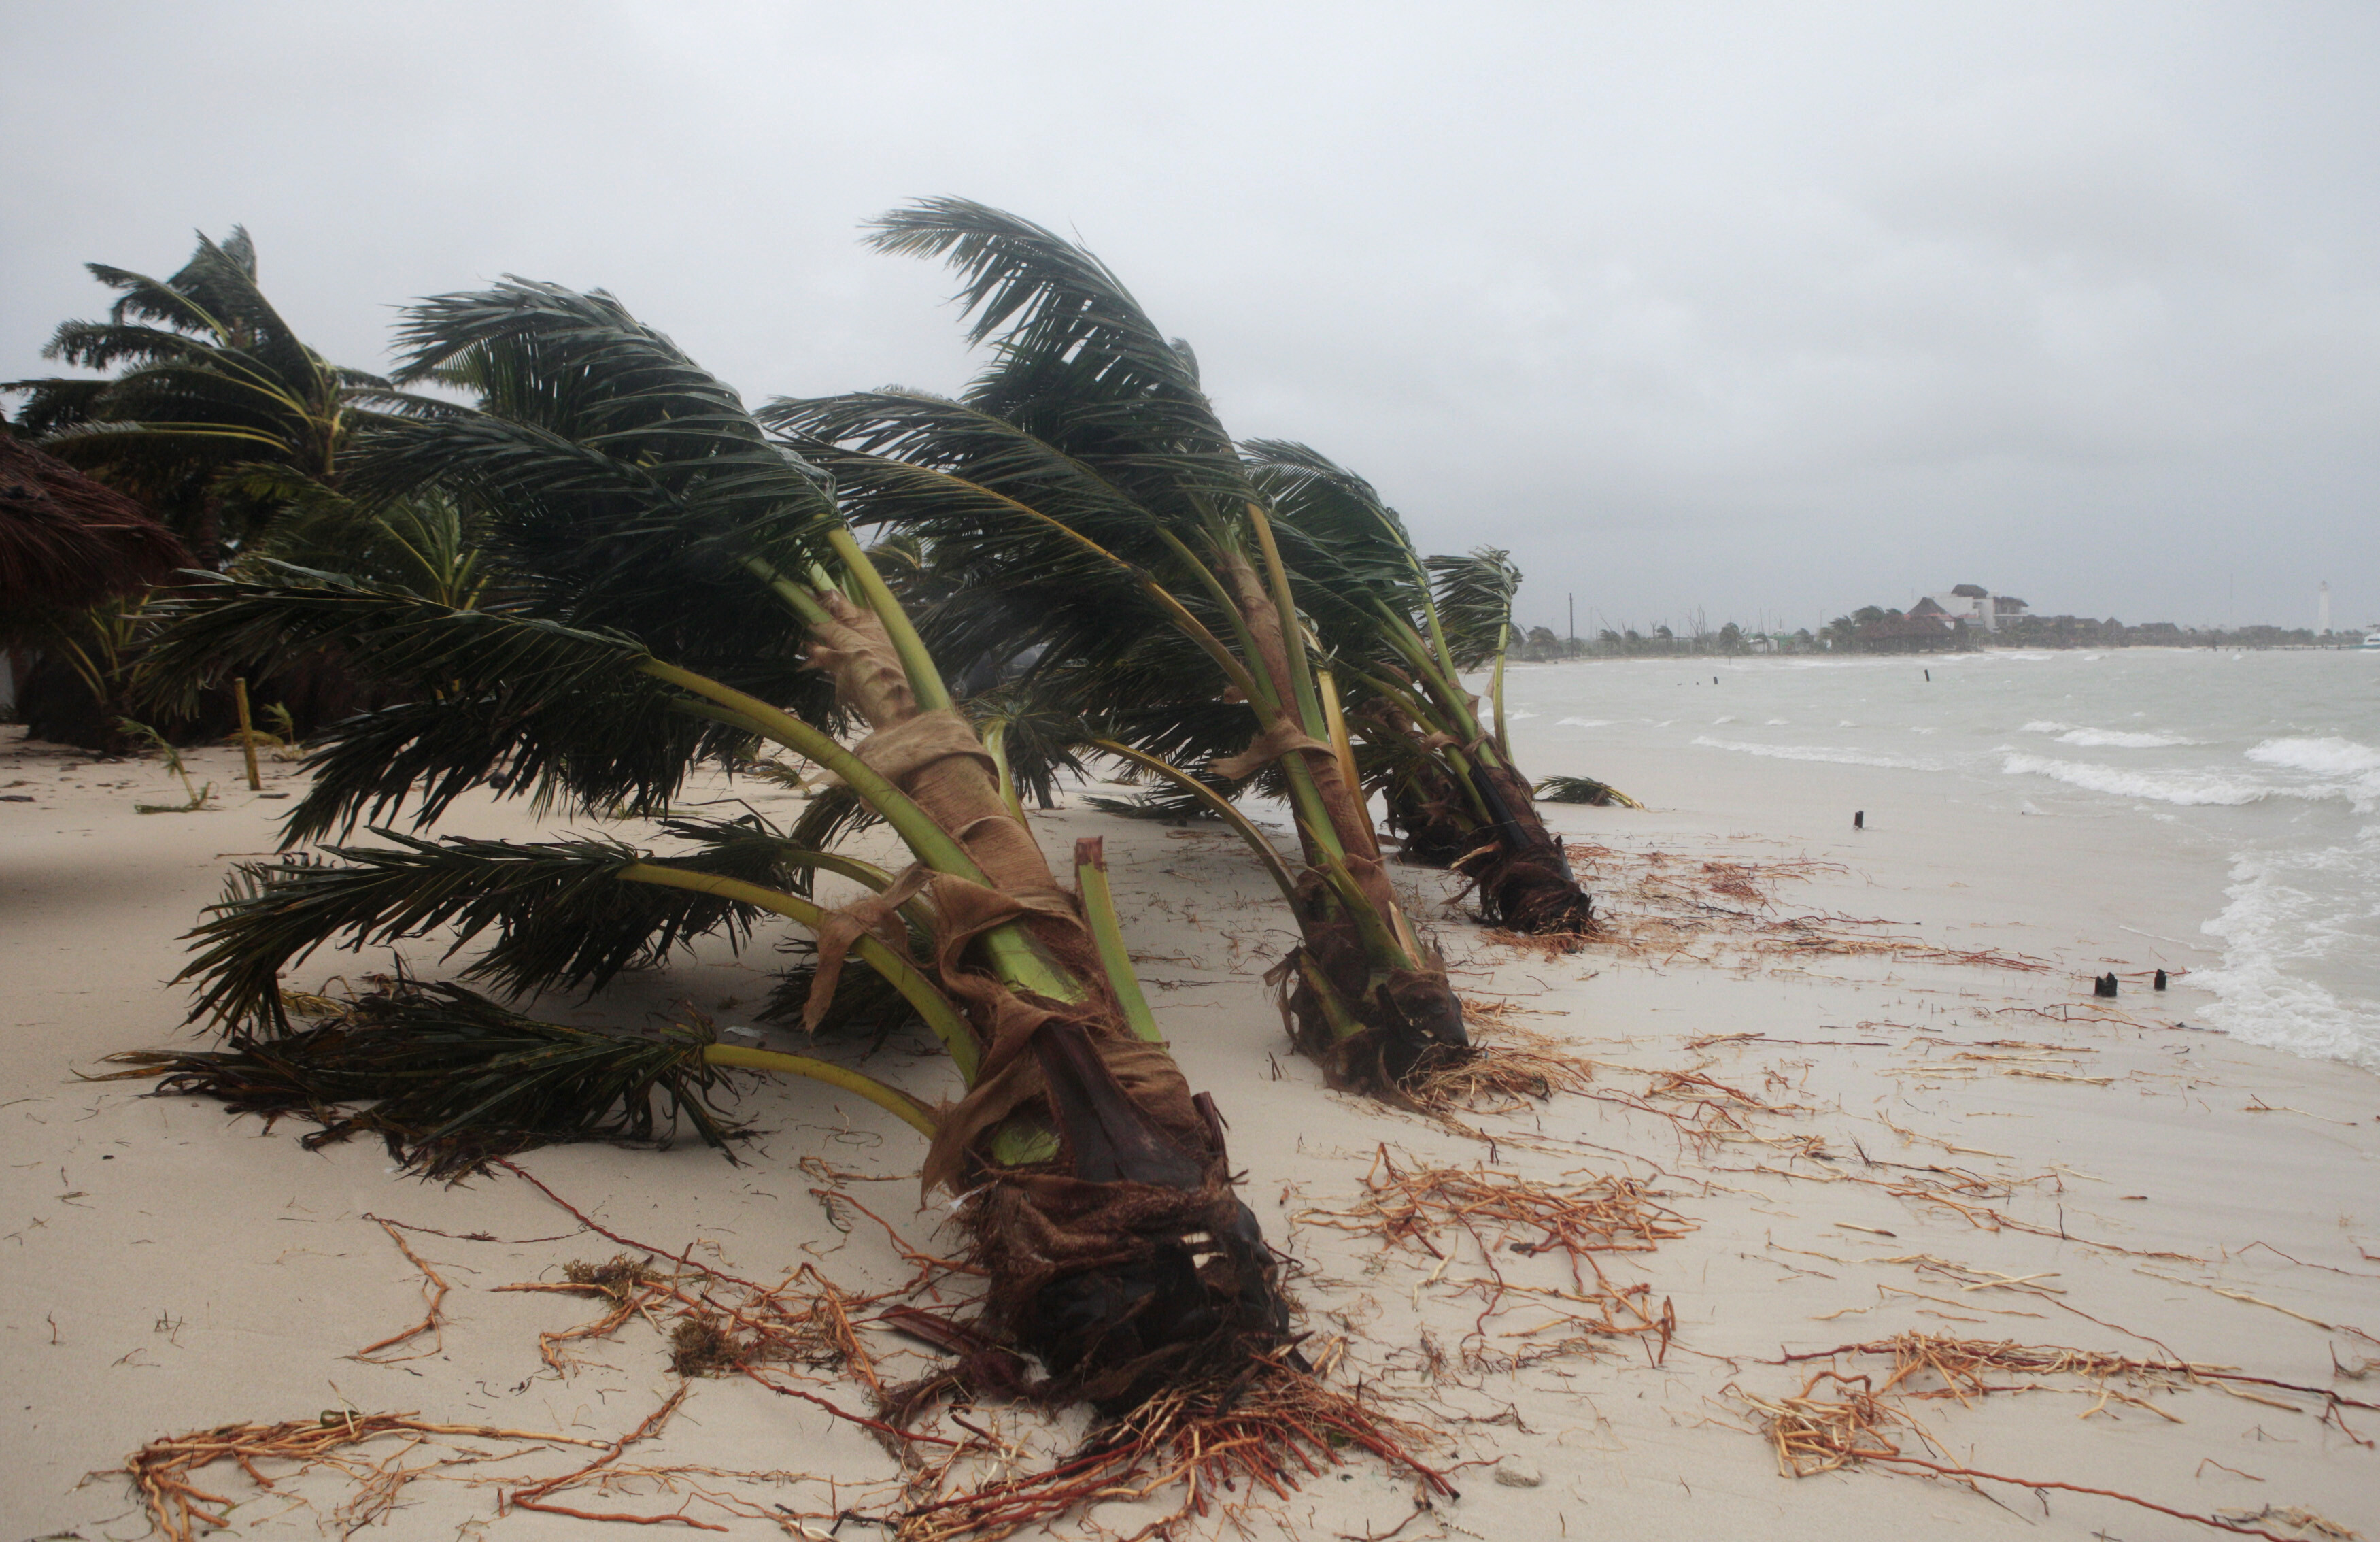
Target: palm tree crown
pixel 215 407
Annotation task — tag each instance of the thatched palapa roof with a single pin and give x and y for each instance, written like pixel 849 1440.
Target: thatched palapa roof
pixel 66 542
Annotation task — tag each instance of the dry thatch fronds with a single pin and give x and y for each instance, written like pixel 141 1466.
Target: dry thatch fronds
pixel 163 1471
pixel 1838 1420
pixel 67 542
pixel 1430 1208
pixel 1670 908
pixel 1816 1433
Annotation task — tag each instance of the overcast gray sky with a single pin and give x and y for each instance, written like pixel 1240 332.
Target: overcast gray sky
pixel 1747 309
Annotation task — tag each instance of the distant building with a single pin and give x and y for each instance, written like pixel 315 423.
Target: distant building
pixel 1974 604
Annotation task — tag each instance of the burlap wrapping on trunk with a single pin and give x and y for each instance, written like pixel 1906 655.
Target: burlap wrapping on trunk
pixel 1094 1269
pixel 1283 738
pixel 939 761
pixel 1516 866
pixel 836 932
pixel 851 644
pixel 934 757
pixel 1101 1280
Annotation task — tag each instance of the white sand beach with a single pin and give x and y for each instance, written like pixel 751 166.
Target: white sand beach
pixel 1852 1085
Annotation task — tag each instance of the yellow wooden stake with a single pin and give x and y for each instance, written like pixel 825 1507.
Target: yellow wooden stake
pixel 247 734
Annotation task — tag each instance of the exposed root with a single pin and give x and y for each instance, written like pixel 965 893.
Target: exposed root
pixel 1371 1033
pixel 1226 1445
pixel 1416 1206
pixel 1511 1067
pixel 715 1325
pixel 1961 1363
pixel 434 1295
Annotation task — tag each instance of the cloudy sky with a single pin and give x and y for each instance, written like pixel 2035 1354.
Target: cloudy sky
pixel 1759 310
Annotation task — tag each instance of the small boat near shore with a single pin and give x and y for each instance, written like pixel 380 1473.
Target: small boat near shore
pixel 2371 641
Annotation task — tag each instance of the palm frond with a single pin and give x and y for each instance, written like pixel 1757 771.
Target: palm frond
pixel 398 635
pixel 210 376
pixel 1352 562
pixel 1077 362
pixel 561 916
pixel 1474 603
pixel 620 484
pixel 834 814
pixel 1582 789
pixel 454 1079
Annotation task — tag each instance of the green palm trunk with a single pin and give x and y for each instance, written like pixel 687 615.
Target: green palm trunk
pixel 1085 499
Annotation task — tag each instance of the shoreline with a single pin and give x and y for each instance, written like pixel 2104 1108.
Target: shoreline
pixel 1859 1131
pixel 1859 655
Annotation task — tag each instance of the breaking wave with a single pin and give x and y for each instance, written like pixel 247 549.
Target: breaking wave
pixel 2282 926
pixel 2325 756
pixel 2185 788
pixel 1830 754
pixel 2107 738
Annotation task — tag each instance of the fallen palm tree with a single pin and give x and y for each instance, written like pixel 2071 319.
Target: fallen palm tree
pixel 1101 521
pixel 668 583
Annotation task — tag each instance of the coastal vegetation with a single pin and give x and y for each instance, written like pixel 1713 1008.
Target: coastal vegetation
pixel 1880 629
pixel 214 418
pixel 552 558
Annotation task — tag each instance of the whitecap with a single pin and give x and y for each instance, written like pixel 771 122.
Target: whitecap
pixel 2180 787
pixel 1585 722
pixel 2276 923
pixel 2113 738
pixel 2324 757
pixel 1830 754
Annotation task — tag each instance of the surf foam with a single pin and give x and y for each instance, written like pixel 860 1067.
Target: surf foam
pixel 1830 754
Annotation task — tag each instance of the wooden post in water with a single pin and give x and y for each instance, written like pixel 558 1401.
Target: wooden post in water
pixel 247 734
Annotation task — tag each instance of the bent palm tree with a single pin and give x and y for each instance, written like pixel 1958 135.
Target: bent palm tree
pixel 1401 631
pixel 1086 489
pixel 218 410
pixel 667 582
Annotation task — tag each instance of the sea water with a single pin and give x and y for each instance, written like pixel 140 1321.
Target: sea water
pixel 2267 762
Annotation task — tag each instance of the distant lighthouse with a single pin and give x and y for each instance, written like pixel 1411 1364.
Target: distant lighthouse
pixel 2322 610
